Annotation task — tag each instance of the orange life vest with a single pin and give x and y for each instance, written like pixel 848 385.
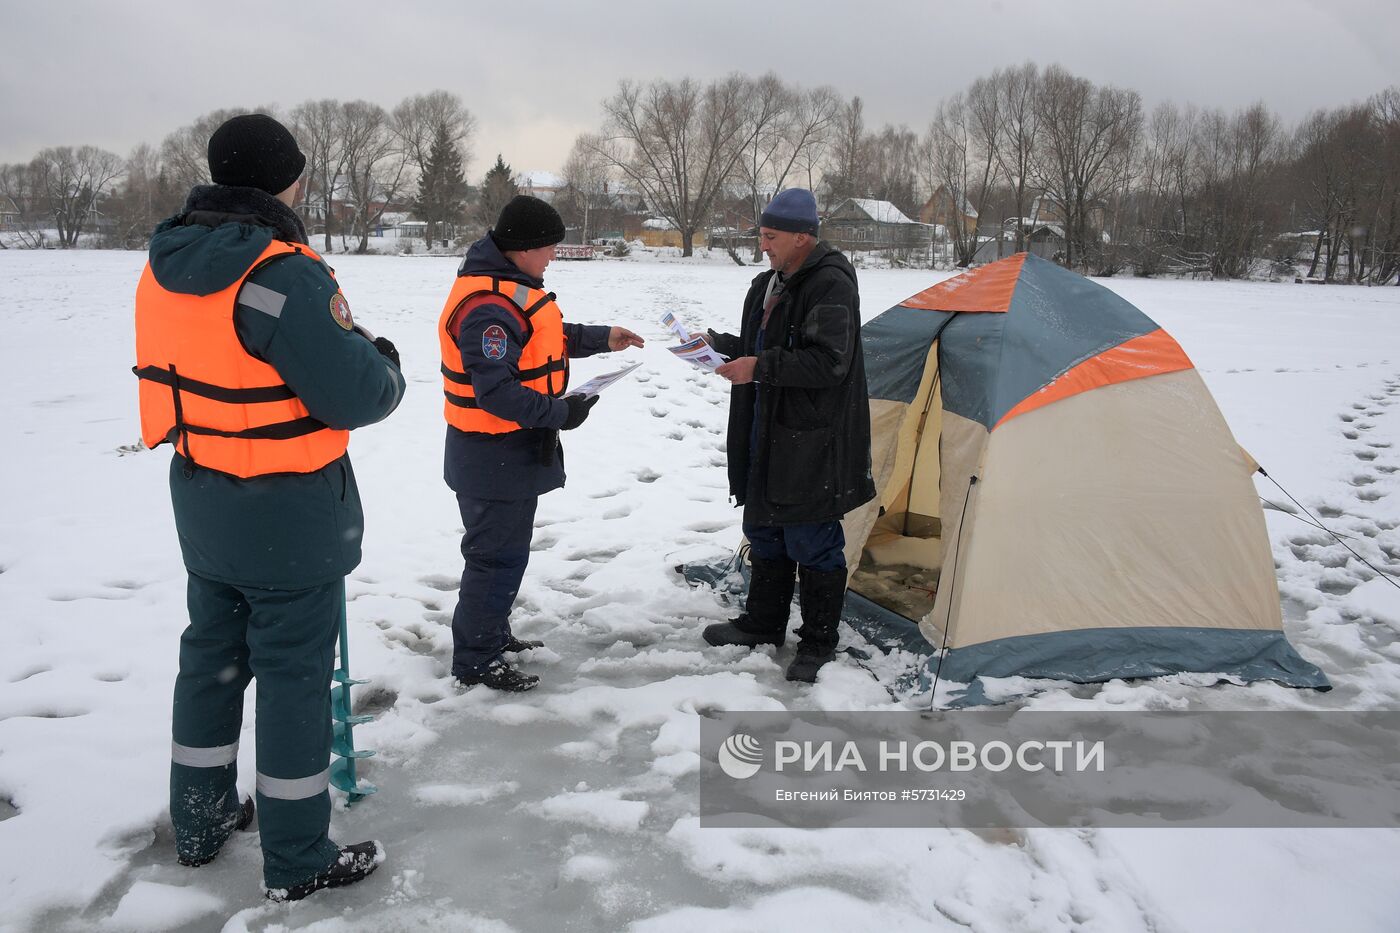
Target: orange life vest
pixel 200 390
pixel 544 360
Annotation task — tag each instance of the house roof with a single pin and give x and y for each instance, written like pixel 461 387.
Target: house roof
pixel 879 211
pixel 539 179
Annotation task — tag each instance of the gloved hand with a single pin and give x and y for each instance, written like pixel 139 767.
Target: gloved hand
pixel 387 350
pixel 578 410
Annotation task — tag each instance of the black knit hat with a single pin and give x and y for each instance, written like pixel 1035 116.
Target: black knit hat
pixel 527 223
pixel 253 150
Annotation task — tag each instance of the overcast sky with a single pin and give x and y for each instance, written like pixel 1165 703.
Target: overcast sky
pixel 115 74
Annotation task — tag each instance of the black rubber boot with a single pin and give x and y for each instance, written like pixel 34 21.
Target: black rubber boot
pixel 823 595
pixel 765 616
pixel 242 821
pixel 355 863
pixel 517 645
pixel 499 675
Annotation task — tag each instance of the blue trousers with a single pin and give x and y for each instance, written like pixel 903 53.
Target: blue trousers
pixel 816 545
pixel 286 640
pixel 495 551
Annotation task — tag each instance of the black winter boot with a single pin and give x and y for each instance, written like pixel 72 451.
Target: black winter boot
pixel 765 616
pixel 241 821
pixel 823 595
pixel 355 863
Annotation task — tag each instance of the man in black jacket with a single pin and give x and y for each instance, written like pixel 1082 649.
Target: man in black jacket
pixel 799 433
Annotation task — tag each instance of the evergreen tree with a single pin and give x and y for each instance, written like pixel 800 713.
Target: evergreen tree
pixel 442 189
pixel 496 191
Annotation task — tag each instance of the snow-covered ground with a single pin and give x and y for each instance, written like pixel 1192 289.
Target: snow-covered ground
pixel 575 806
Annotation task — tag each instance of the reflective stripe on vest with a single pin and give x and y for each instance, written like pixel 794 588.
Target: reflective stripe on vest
pixel 544 360
pixel 222 408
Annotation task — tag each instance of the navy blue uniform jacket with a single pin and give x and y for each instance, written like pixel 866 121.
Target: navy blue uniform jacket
pixel 519 464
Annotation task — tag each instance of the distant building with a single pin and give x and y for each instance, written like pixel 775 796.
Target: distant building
pixel 868 224
pixel 652 231
pixel 948 210
pixel 540 184
pixel 9 215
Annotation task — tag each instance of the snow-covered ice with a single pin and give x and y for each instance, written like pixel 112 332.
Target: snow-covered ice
pixel 575 806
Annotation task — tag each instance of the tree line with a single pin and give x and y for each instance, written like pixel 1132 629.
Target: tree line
pixel 1181 189
pixel 361 161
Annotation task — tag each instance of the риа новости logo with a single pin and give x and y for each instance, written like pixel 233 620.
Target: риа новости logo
pixel 740 756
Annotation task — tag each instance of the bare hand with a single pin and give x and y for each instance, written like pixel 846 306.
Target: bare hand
pixel 620 338
pixel 740 371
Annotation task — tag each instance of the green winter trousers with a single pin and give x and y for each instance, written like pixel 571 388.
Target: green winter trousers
pixel 286 640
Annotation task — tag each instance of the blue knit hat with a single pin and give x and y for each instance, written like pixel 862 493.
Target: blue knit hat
pixel 793 210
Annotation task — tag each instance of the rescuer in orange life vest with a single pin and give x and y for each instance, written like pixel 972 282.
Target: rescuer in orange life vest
pixel 505 366
pixel 252 368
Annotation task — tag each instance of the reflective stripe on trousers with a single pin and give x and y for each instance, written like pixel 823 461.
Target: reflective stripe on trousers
pixel 293 788
pixel 217 756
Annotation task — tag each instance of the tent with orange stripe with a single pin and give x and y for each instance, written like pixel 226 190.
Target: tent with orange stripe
pixel 1059 495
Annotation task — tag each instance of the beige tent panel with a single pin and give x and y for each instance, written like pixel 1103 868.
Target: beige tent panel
pixel 895 557
pixel 963 443
pixel 1125 506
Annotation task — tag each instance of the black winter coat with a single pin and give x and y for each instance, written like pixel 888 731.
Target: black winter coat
pixel 810 459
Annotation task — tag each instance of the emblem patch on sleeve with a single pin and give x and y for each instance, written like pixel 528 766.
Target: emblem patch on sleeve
pixel 494 342
pixel 340 310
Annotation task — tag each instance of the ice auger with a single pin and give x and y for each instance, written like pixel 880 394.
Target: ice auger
pixel 343 723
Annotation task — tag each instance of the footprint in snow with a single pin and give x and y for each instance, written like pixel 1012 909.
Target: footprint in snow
pixel 606 494
pixel 597 555
pixel 647 475
pixel 27 673
pixel 442 583
pixel 708 527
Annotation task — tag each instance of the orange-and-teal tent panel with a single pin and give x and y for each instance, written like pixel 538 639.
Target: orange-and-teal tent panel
pixel 1014 334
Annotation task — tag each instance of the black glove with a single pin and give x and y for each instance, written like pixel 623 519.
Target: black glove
pixel 578 410
pixel 387 350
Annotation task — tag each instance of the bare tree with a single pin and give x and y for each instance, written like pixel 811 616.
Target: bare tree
pixel 959 157
pixel 71 183
pixel 376 164
pixel 770 111
pixel 793 127
pixel 1233 162
pixel 1385 216
pixel 1088 135
pixel 417 120
pixel 892 168
pixel 19 186
pixel 814 123
pixel 185 152
pixel 1020 127
pixel 586 177
pixel 847 173
pixel 1162 189
pixel 142 201
pixel 317 125
pixel 678 143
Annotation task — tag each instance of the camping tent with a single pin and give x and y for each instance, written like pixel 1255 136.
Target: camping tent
pixel 1058 494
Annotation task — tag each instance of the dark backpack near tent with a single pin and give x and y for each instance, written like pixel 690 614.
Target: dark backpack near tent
pixel 1058 495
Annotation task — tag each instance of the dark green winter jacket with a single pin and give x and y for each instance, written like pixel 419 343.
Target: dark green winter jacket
pixel 288 530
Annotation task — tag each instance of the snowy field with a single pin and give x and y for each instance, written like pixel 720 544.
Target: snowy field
pixel 574 807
